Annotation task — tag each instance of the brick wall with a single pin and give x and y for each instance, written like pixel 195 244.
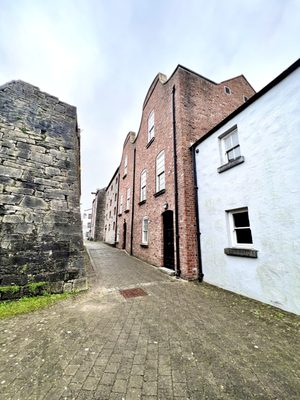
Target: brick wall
pixel 199 105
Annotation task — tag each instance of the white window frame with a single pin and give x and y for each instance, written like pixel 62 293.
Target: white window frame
pixel 160 172
pixel 145 230
pixel 233 149
pixel 128 199
pixel 121 204
pixel 151 130
pixel 125 165
pixel 233 228
pixel 143 185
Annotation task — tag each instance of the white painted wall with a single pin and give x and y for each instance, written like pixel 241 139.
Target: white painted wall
pixel 268 183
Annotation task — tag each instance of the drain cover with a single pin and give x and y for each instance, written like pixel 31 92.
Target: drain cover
pixel 136 292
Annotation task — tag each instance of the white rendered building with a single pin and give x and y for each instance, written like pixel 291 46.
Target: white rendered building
pixel 248 179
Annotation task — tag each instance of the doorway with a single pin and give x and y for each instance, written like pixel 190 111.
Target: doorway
pixel 168 239
pixel 124 235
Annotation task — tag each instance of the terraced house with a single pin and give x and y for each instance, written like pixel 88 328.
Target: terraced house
pixel 156 200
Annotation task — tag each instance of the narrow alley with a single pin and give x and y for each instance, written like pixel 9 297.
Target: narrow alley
pixel 168 339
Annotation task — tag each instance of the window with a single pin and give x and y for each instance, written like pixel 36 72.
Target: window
pixel 160 171
pixel 145 224
pixel 115 197
pixel 115 210
pixel 109 214
pixel 89 225
pixel 128 199
pixel 245 98
pixel 227 90
pixel 143 184
pixel 110 201
pixel 151 126
pixel 125 165
pixel 230 147
pixel 121 204
pixel 240 228
pixel 90 216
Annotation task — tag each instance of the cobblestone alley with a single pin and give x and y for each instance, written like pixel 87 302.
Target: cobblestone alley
pixel 178 341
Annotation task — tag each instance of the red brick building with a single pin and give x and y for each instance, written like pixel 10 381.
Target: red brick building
pixel 156 204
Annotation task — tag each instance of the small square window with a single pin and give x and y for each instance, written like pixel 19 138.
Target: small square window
pixel 245 98
pixel 227 90
pixel 230 149
pixel 239 225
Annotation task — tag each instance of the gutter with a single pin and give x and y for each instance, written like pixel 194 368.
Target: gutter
pixel 132 211
pixel 177 270
pixel 200 270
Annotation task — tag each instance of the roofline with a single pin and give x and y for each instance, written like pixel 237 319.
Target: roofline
pixel 117 170
pixel 252 99
pixel 239 76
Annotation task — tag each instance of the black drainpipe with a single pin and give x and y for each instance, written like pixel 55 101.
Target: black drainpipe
pixel 117 210
pixel 132 207
pixel 200 271
pixel 177 271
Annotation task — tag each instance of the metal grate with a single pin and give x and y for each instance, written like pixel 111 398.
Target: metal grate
pixel 136 292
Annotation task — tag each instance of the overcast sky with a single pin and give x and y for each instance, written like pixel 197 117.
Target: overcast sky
pixel 102 55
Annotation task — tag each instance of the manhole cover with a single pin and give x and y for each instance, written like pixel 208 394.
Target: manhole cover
pixel 136 292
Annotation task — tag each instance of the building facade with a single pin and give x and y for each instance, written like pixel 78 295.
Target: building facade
pixel 249 196
pixel 40 226
pixel 156 190
pixel 98 211
pixel 110 234
pixel 87 223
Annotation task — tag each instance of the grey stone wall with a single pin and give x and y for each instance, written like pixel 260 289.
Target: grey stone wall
pixel 40 226
pixel 98 215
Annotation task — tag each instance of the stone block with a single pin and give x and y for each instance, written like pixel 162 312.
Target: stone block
pixel 13 219
pixel 34 202
pixel 68 287
pixel 10 172
pixel 56 287
pixel 80 284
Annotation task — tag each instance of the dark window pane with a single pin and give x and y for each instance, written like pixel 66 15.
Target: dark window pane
pixel 241 219
pixel 243 236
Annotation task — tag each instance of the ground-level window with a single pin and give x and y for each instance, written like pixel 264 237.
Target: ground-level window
pixel 241 234
pixel 160 171
pixel 145 223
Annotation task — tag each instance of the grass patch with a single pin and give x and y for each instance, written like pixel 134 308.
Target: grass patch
pixel 28 304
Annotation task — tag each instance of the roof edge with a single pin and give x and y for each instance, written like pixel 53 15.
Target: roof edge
pixel 252 99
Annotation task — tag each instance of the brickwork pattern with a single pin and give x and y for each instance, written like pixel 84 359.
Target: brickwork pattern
pixel 111 210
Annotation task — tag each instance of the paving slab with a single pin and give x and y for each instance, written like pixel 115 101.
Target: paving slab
pixel 181 340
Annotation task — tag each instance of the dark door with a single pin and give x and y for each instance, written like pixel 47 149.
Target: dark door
pixel 124 234
pixel 168 231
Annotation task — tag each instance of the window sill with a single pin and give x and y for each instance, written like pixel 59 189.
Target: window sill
pixel 124 176
pixel 159 193
pixel 233 251
pixel 142 202
pixel 231 164
pixel 126 211
pixel 150 142
pixel 144 245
